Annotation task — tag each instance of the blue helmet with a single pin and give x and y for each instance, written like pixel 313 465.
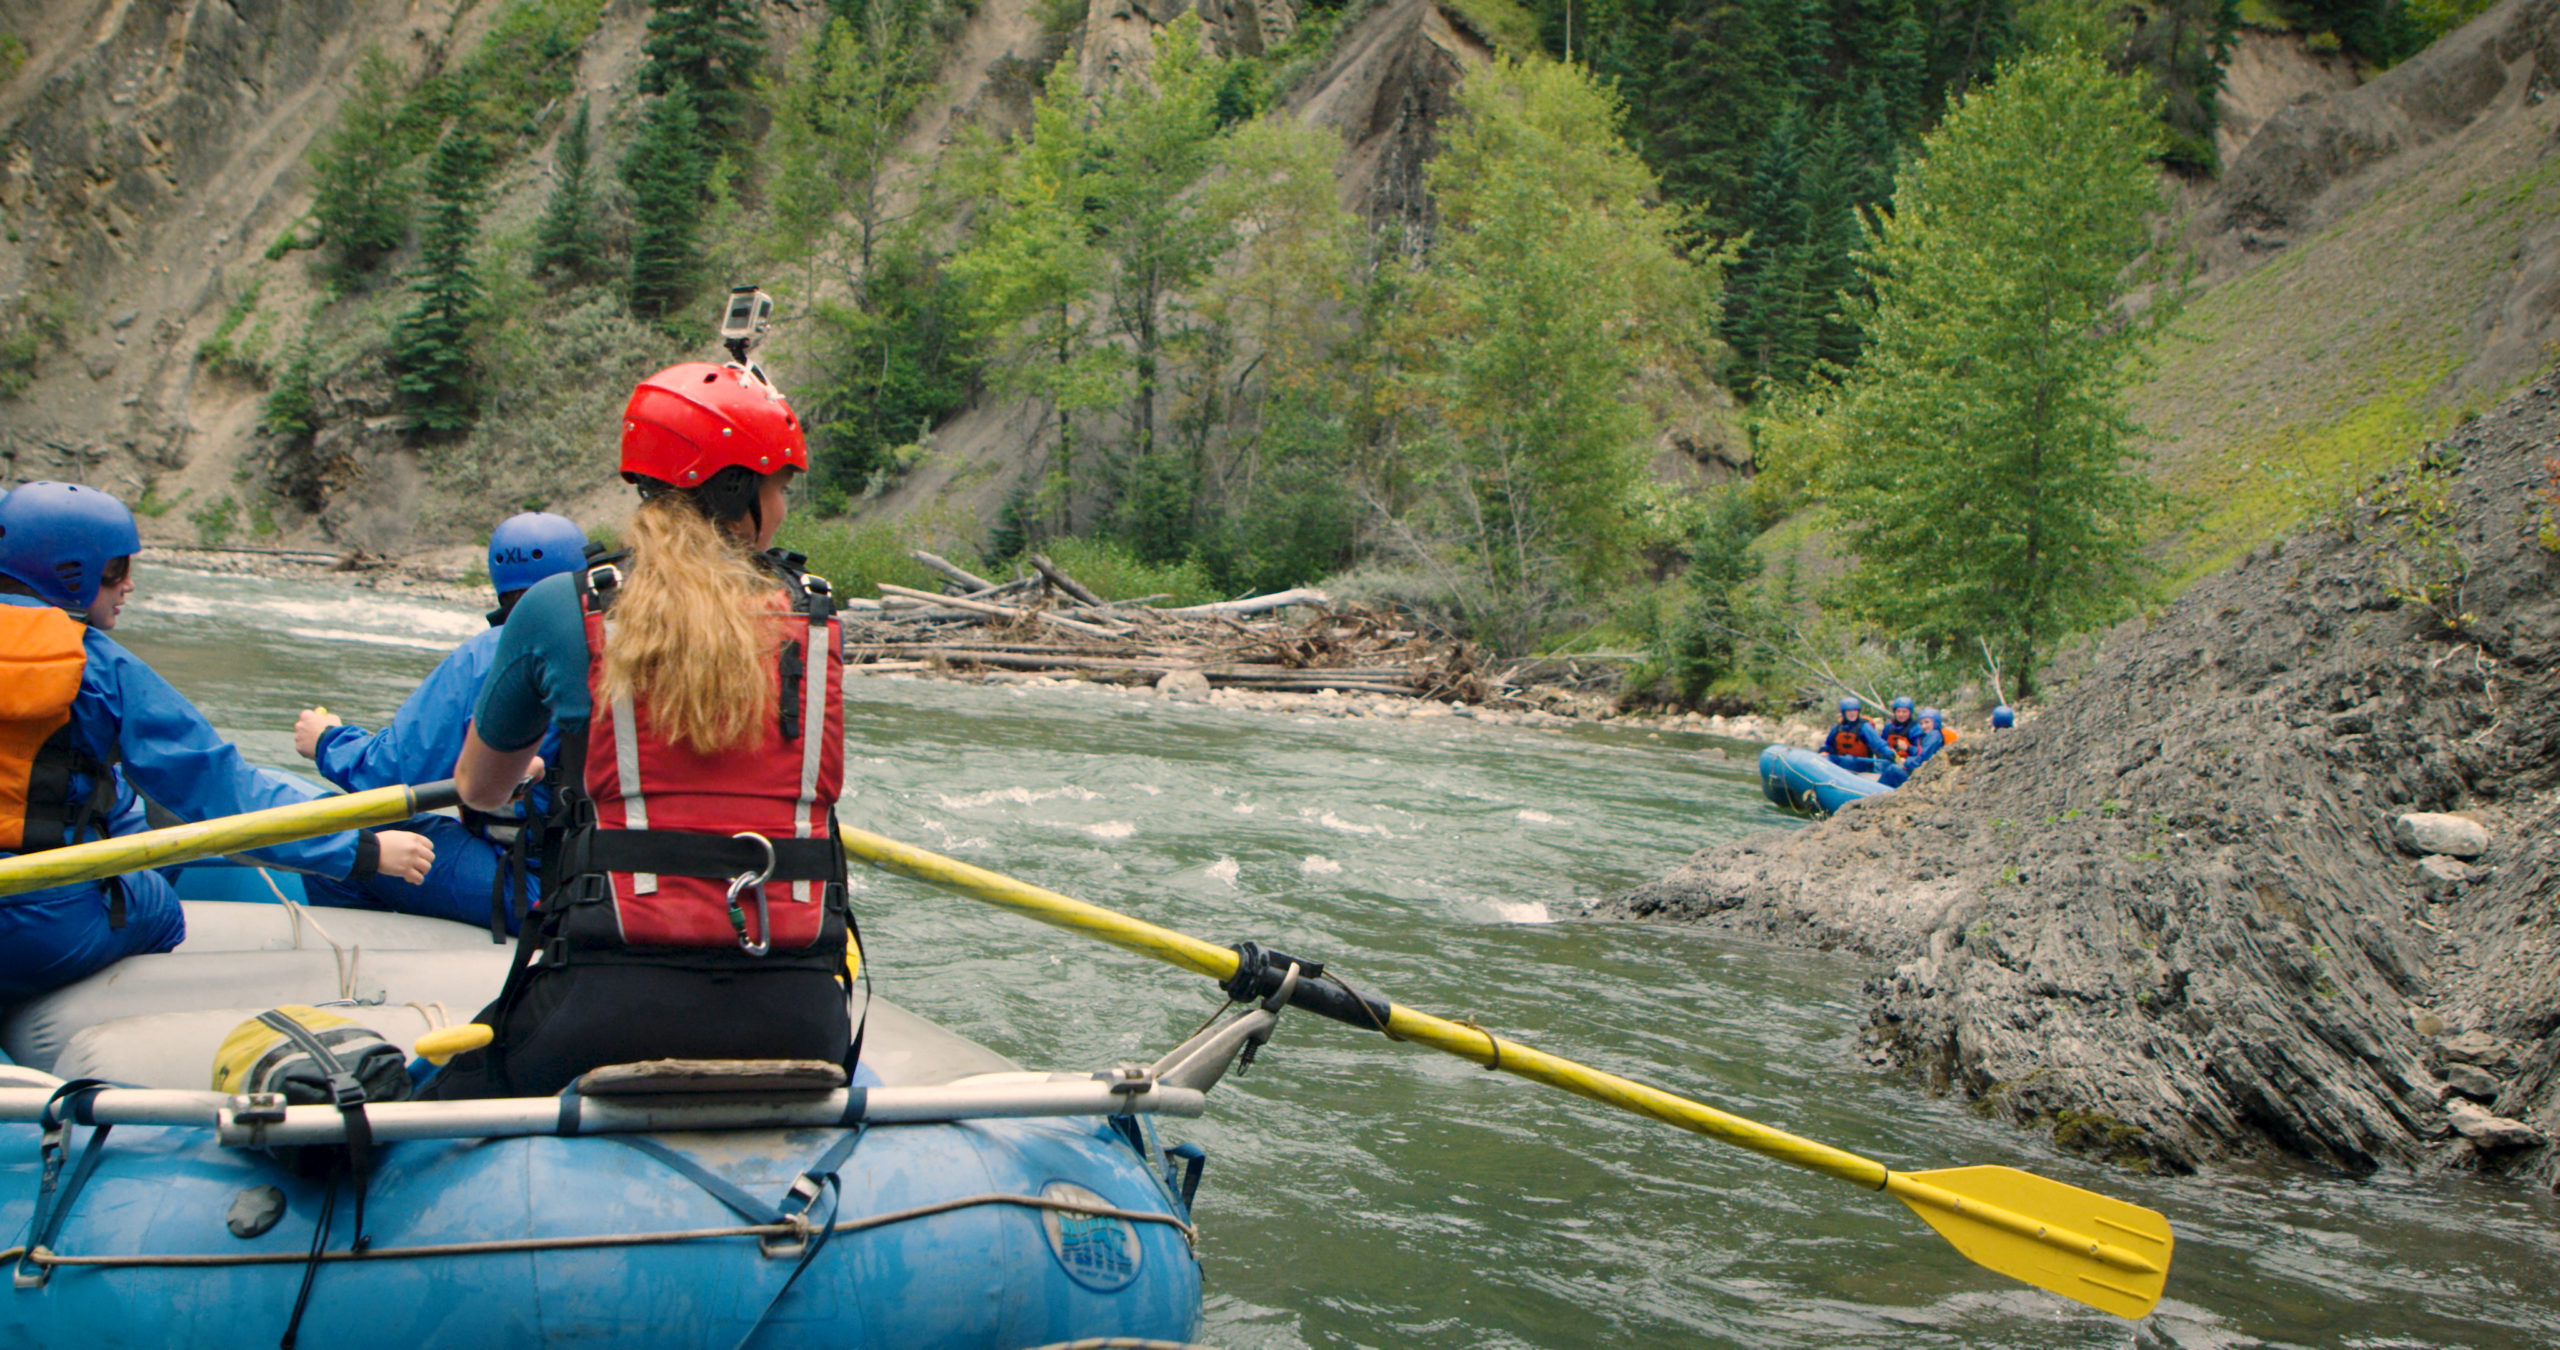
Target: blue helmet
pixel 526 548
pixel 1849 705
pixel 1902 704
pixel 57 539
pixel 2004 716
pixel 1932 715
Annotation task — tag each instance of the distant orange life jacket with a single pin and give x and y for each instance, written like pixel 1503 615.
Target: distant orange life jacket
pixel 1845 740
pixel 41 661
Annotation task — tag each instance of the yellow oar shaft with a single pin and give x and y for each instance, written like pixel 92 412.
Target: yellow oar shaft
pixel 1912 1191
pixel 1456 1038
pixel 215 838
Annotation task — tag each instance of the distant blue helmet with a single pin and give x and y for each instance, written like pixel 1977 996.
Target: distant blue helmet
pixel 1850 705
pixel 2004 716
pixel 1932 715
pixel 528 547
pixel 57 539
pixel 1902 704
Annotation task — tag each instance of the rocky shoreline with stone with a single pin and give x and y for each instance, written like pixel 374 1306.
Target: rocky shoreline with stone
pixel 2278 874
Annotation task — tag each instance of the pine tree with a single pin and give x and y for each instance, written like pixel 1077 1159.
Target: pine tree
pixel 1835 181
pixel 1902 70
pixel 431 347
pixel 362 189
pixel 565 242
pixel 711 47
pixel 664 170
pixel 1768 319
pixel 1985 478
pixel 1704 109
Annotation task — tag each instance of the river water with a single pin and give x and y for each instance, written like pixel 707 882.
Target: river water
pixel 1362 1193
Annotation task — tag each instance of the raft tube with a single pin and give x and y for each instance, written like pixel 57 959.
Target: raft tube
pixel 1804 781
pixel 1026 1214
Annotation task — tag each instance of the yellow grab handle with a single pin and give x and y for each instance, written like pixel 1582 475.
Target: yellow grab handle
pixel 444 1043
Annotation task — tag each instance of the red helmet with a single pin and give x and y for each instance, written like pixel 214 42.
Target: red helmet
pixel 688 422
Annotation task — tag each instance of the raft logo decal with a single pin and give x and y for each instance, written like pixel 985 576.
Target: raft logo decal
pixel 1098 1251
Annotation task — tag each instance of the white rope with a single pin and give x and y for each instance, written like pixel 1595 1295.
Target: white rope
pixel 346 960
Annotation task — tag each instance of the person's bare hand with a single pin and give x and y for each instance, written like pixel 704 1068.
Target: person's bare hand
pixel 404 855
pixel 307 729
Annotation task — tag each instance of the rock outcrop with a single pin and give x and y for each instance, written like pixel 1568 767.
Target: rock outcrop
pixel 2305 166
pixel 2170 917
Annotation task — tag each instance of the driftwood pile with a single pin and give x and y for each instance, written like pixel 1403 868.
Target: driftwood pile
pixel 1293 641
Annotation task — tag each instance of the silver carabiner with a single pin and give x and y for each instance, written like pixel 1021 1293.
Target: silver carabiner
pixel 763 941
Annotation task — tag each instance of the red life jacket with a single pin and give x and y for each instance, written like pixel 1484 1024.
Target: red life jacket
pixel 41 661
pixel 1845 740
pixel 1899 737
pixel 658 835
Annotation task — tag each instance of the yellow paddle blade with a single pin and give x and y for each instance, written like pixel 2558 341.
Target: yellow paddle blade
pixel 2107 1253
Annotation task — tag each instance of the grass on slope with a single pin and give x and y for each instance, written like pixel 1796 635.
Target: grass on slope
pixel 2282 391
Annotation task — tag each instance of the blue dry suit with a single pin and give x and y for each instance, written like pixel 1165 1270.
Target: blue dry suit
pixel 126 715
pixel 1930 744
pixel 473 855
pixel 1856 746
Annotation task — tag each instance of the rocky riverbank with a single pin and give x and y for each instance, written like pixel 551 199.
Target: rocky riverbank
pixel 2177 918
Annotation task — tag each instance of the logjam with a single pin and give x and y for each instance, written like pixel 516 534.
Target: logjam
pixel 1295 641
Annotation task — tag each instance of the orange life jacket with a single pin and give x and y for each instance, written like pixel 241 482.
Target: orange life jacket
pixel 1899 737
pixel 41 660
pixel 1845 740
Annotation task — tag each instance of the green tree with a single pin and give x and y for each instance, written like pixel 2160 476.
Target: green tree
pixel 431 347
pixel 1984 473
pixel 362 187
pixel 1153 139
pixel 1555 285
pixel 565 241
pixel 711 48
pixel 664 169
pixel 1030 268
pixel 844 97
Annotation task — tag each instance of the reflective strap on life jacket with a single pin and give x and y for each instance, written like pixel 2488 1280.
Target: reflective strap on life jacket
pixel 626 769
pixel 813 727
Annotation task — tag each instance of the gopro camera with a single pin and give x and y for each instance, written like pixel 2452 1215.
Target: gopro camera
pixel 750 313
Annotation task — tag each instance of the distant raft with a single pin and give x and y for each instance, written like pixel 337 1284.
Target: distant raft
pixel 943 1197
pixel 1803 780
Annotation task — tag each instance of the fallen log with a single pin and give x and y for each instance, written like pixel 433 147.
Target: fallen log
pixel 1252 604
pixel 953 570
pixel 1003 611
pixel 1062 581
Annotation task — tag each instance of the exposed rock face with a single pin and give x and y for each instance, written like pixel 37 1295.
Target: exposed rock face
pixel 2300 169
pixel 1394 78
pixel 1119 35
pixel 2175 900
pixel 149 149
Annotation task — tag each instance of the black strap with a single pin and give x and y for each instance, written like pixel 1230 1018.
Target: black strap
pixel 348 1094
pixel 311 1266
pixel 684 853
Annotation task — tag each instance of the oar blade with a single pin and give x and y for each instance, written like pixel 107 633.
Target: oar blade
pixel 1984 1227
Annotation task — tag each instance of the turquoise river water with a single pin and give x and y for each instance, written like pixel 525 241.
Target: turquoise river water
pixel 1363 1193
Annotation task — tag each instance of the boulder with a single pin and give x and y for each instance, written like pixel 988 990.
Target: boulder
pixel 2440 878
pixel 2472 1081
pixel 2490 1133
pixel 2437 832
pixel 2477 1047
pixel 1186 685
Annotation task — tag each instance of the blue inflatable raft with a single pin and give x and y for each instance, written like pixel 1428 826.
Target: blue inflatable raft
pixel 942 1198
pixel 1801 780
